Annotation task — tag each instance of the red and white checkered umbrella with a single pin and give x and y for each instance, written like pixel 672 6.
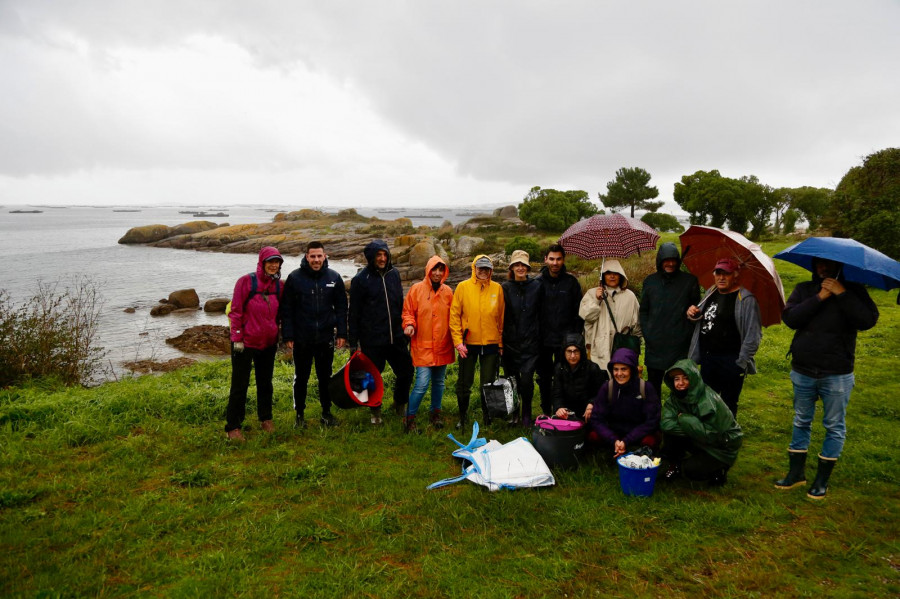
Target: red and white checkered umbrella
pixel 609 236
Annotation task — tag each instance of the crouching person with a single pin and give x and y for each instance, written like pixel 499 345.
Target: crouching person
pixel 701 438
pixel 626 411
pixel 576 380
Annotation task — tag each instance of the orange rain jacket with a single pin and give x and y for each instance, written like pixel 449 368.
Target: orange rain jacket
pixel 428 311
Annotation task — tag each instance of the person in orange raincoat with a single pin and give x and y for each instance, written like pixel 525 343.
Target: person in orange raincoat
pixel 426 321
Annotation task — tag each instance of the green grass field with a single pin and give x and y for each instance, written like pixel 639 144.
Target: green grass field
pixel 131 489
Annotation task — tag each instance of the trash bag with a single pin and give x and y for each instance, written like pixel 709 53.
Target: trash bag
pixel 358 372
pixel 500 398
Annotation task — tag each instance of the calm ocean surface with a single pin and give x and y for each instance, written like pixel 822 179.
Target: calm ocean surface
pixel 62 243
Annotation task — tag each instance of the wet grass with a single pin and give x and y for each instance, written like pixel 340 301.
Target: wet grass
pixel 131 489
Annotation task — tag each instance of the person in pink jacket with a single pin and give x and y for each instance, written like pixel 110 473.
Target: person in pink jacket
pixel 426 321
pixel 254 339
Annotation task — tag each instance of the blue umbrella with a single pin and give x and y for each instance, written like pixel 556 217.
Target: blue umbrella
pixel 861 263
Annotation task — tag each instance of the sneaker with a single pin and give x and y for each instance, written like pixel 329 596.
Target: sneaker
pixel 328 420
pixel 719 478
pixel 236 435
pixel 376 416
pixel 672 472
pixel 436 420
pixel 267 426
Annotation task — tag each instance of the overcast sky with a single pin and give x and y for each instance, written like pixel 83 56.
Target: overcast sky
pixel 423 103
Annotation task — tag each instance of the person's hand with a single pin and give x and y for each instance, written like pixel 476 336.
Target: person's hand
pixel 238 347
pixel 409 331
pixel 619 448
pixel 833 286
pixel 462 350
pixel 289 344
pixel 601 292
pixel 500 350
pixel 587 412
pixel 562 413
pixel 693 313
pixel 341 343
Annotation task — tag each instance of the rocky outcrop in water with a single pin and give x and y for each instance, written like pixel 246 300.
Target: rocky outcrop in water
pixel 153 233
pixel 203 339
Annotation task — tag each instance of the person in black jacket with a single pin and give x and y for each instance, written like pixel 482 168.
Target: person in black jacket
pixel 826 314
pixel 665 298
pixel 559 316
pixel 313 312
pixel 521 330
pixel 576 380
pixel 376 321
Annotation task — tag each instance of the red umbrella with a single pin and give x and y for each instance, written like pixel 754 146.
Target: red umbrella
pixel 608 236
pixel 702 247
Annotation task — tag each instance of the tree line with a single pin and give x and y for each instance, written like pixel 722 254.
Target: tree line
pixel 864 205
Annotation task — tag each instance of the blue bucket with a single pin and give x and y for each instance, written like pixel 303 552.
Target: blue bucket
pixel 637 482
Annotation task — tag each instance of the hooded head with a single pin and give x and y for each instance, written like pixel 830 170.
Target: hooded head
pixel 481 261
pixel 667 251
pixel 267 254
pixel 574 340
pixel 432 262
pixel 372 249
pixel 696 388
pixel 613 266
pixel 625 356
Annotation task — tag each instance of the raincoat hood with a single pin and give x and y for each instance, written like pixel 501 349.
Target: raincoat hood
pixel 625 356
pixel 478 257
pixel 666 251
pixel 613 265
pixel 372 248
pixel 697 389
pixel 265 254
pixel 432 262
pixel 578 341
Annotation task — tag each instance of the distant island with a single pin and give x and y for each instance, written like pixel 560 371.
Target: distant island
pixel 26 211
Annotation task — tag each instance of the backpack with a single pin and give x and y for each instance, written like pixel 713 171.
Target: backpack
pixel 643 392
pixel 254 291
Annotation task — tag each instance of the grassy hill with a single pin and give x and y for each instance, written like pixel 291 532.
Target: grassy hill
pixel 131 489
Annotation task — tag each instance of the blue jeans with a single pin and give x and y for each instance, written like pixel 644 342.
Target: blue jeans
pixel 834 391
pixel 424 376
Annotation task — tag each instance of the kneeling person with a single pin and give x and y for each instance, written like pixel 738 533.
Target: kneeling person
pixel 626 410
pixel 701 437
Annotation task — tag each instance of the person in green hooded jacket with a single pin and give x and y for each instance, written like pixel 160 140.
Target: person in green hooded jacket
pixel 701 438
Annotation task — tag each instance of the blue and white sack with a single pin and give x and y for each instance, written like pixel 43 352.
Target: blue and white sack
pixel 513 465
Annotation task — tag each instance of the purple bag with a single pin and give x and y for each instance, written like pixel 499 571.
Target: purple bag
pixel 558 424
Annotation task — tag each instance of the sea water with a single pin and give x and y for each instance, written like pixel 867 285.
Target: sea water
pixel 61 244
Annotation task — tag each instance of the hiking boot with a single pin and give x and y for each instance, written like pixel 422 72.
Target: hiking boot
pixel 409 425
pixel 820 484
pixel 672 472
pixel 299 422
pixel 267 426
pixel 236 435
pixel 436 420
pixel 796 475
pixel 328 420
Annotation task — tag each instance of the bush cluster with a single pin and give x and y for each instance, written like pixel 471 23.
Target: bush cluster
pixel 51 335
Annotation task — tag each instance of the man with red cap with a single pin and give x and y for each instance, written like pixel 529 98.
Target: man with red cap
pixel 727 333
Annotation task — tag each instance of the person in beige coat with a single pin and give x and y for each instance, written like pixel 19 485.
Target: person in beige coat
pixel 598 326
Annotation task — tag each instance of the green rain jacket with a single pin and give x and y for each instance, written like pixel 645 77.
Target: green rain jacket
pixel 701 416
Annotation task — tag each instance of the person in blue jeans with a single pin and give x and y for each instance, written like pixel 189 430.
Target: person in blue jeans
pixel 826 313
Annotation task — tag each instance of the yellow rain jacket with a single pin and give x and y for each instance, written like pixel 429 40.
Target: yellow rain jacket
pixel 477 308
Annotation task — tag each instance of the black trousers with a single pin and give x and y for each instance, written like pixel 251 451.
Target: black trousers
pixel 547 359
pixel 489 364
pixel 397 355
pixel 655 377
pixel 304 355
pixel 722 374
pixel 242 364
pixel 696 464
pixel 522 367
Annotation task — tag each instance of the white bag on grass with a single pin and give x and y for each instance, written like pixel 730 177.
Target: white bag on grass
pixel 514 465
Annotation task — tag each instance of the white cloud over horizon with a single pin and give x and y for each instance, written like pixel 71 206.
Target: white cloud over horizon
pixel 433 103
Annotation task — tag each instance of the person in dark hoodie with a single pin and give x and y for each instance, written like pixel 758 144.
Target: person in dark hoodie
pixel 521 331
pixel 559 316
pixel 313 313
pixel 701 438
pixel 625 415
pixel 826 313
pixel 254 339
pixel 576 380
pixel 376 321
pixel 665 297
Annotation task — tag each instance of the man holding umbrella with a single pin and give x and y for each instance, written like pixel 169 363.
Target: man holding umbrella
pixel 727 333
pixel 826 313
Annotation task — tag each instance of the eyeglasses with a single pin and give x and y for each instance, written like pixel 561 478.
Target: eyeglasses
pixel 573 352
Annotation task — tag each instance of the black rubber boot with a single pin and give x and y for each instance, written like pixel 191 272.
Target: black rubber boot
pixel 796 475
pixel 820 484
pixel 463 403
pixel 299 422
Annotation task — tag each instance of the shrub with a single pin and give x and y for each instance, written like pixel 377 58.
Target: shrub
pixel 524 243
pixel 51 335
